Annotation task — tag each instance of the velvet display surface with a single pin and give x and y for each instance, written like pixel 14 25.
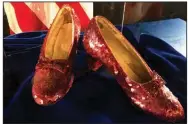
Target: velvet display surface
pixel 96 97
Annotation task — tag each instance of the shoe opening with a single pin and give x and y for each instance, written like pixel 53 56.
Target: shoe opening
pixel 60 36
pixel 127 57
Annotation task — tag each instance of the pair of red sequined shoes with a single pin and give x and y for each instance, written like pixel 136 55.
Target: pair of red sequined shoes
pixel 53 75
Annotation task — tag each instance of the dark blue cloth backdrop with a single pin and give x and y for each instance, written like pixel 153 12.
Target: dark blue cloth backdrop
pixel 95 96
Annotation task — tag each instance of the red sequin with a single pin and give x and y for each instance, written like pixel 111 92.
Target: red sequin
pixel 53 78
pixel 153 96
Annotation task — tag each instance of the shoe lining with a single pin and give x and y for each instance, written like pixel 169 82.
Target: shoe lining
pixel 123 52
pixel 59 40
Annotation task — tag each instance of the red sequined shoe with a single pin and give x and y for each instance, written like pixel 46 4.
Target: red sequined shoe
pixel 53 73
pixel 145 87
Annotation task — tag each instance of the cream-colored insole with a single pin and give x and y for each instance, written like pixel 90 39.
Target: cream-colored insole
pixel 131 64
pixel 59 40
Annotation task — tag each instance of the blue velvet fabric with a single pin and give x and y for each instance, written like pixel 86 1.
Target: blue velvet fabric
pixel 96 97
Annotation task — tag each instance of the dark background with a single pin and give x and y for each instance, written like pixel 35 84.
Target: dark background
pixel 113 10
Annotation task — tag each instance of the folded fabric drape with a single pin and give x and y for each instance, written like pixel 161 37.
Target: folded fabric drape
pixel 37 16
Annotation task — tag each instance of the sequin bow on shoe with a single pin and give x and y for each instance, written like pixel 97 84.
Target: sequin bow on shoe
pixel 53 73
pixel 144 87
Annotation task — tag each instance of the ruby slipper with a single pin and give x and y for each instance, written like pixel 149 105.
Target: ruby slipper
pixel 145 87
pixel 53 73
